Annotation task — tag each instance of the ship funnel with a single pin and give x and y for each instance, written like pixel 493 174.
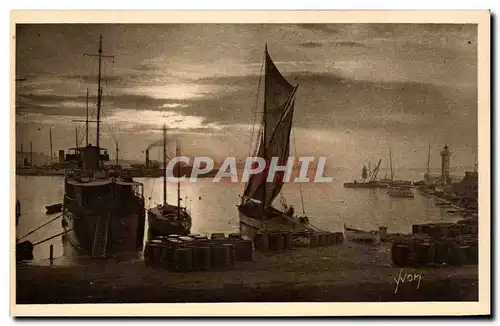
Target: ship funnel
pixel 147 158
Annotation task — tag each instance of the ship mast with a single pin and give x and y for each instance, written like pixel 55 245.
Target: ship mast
pixel 86 121
pixel 164 165
pixel 390 164
pixel 428 161
pixel 178 184
pixel 50 136
pixel 265 140
pixel 100 56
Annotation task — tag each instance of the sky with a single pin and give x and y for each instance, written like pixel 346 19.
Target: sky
pixel 363 88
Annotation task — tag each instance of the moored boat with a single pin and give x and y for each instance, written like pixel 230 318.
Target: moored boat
pixel 166 219
pixel 371 236
pixel 256 211
pixel 54 208
pixel 104 213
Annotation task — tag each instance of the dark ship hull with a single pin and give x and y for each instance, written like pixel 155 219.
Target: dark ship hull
pixel 162 222
pixel 252 221
pixel 125 236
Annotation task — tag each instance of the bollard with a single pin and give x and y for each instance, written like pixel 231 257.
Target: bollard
pixel 51 254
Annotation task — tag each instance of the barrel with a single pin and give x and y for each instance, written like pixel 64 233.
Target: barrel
pixel 202 258
pixel 156 252
pixel 401 254
pixel 262 241
pixel 218 236
pixel 458 255
pixel 173 236
pixel 424 253
pixel 321 239
pixel 193 235
pixel 245 252
pixel 276 241
pixel 183 259
pixel 288 240
pixel 231 249
pixel 442 251
pixel 168 254
pixel 221 256
pixel 473 253
pixel 148 254
pixel 416 228
pixel 313 240
pixel 235 235
pixel 339 237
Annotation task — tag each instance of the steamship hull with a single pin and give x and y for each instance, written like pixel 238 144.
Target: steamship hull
pixel 125 234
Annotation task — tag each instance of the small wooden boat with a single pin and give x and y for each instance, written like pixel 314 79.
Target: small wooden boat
pixel 54 208
pixel 352 234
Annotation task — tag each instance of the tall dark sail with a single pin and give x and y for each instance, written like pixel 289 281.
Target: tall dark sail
pixel 277 122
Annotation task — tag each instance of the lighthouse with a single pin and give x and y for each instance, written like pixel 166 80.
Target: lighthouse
pixel 445 165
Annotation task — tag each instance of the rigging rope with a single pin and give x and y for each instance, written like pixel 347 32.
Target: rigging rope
pixel 255 110
pixel 300 186
pixel 38 228
pixel 51 237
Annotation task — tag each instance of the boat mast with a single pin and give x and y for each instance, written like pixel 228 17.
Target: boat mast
pixel 178 184
pixel 390 164
pixel 50 137
pixel 117 152
pixel 76 137
pixel 264 137
pixel 86 120
pixel 100 56
pixel 428 161
pixel 164 165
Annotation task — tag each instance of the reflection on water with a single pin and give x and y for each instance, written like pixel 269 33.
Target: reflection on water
pixel 213 208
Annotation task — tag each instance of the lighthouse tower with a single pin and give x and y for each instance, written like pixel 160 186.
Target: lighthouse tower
pixel 445 165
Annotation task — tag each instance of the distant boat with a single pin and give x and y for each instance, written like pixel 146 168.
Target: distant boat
pixel 54 208
pixel 367 180
pixel 166 219
pixel 372 236
pixel 400 192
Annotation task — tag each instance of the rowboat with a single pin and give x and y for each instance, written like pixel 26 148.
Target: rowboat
pixel 357 235
pixel 54 208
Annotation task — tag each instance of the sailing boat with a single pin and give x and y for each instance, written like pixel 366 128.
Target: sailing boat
pixel 255 210
pixel 165 219
pixel 399 188
pixel 104 215
pixel 368 179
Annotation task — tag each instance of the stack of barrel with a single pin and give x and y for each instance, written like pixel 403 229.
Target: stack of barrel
pixel 281 241
pixel 454 244
pixel 197 252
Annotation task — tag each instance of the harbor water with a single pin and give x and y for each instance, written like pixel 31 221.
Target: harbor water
pixel 213 208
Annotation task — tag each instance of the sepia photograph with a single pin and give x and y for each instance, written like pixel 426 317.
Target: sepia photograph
pixel 250 157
